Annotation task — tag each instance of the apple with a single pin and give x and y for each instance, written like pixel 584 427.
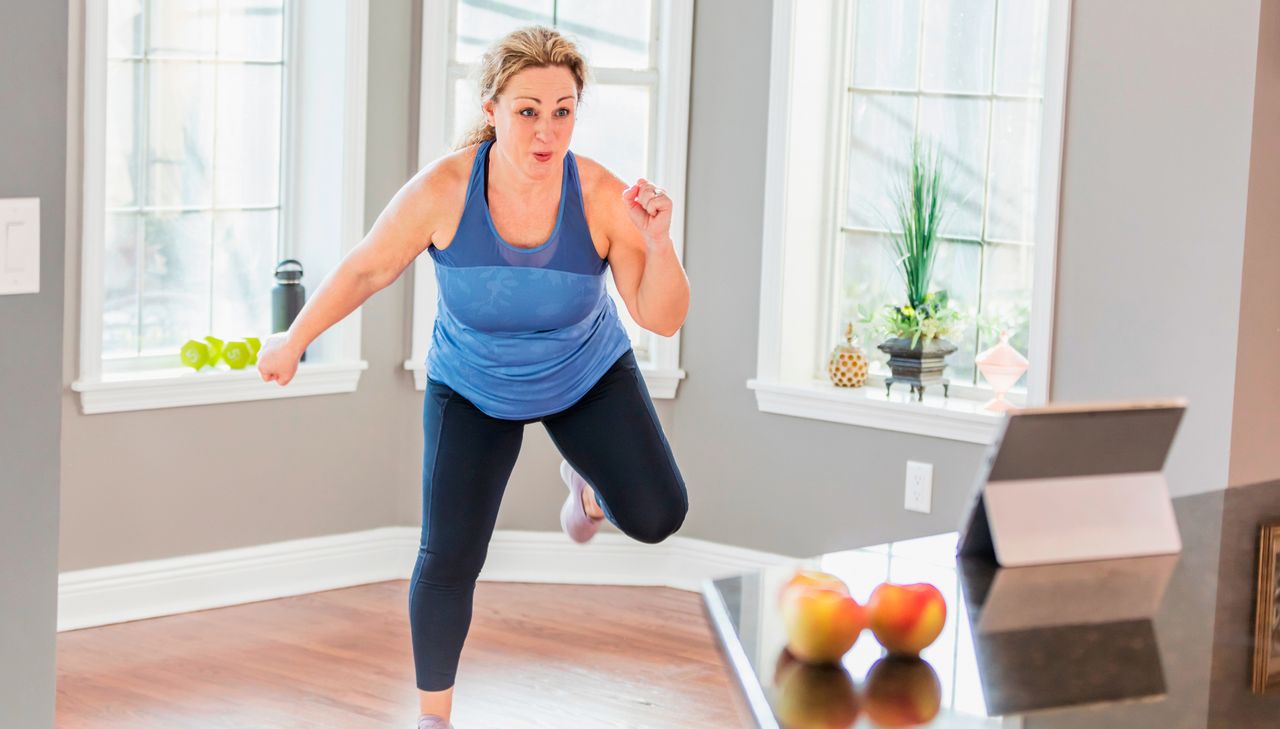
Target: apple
pixel 822 624
pixel 906 618
pixel 902 691
pixel 815 697
pixel 812 578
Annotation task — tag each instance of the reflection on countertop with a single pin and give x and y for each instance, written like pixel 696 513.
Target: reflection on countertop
pixel 1151 642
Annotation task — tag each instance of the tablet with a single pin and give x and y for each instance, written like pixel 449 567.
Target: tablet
pixel 1075 482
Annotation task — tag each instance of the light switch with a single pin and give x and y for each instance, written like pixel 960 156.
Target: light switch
pixel 20 245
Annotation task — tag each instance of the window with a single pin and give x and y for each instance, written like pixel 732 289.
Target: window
pixel 981 79
pixel 632 119
pixel 201 152
pixel 969 75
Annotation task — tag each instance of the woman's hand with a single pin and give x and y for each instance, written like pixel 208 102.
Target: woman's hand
pixel 650 210
pixel 278 360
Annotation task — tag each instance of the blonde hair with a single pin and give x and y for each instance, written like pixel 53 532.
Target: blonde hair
pixel 535 46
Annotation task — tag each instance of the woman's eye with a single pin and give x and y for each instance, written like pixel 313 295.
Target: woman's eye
pixel 566 112
pixel 522 112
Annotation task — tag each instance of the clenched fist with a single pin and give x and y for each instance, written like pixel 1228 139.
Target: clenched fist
pixel 278 360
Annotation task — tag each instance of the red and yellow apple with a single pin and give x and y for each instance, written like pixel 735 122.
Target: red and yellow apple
pixel 815 697
pixel 906 618
pixel 812 578
pixel 901 692
pixel 822 624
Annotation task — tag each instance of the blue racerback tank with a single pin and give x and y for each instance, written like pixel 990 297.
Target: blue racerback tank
pixel 522 332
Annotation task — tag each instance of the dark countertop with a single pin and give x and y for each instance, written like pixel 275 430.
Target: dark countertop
pixel 1155 642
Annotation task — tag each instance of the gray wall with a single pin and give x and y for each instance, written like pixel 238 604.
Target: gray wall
pixel 1257 396
pixel 1153 206
pixel 303 466
pixel 772 482
pixel 1155 175
pixel 307 466
pixel 33 157
pixel 1159 112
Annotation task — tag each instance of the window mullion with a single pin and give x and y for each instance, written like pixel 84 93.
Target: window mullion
pixel 144 171
pixel 213 161
pixel 833 282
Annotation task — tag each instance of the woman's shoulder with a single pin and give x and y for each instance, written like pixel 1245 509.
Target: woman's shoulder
pixel 597 180
pixel 439 190
pixel 447 170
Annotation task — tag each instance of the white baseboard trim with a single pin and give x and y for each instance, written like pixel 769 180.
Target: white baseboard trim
pixel 139 590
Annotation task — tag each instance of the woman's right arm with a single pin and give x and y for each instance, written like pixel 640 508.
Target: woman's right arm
pixel 401 233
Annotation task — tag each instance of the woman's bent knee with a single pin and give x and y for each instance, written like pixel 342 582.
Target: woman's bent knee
pixel 658 527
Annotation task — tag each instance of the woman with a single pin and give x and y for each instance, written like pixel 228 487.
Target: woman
pixel 521 231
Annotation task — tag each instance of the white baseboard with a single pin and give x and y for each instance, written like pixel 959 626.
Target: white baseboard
pixel 119 593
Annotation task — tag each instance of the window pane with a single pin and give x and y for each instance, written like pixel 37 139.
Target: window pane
pixel 956 270
pixel 185 28
pixel 180 133
pixel 886 44
pixel 609 32
pixel 120 286
pixel 248 141
pixel 880 128
pixel 959 127
pixel 480 22
pixel 175 280
pixel 244 257
pixel 1015 164
pixel 122 159
pixel 1006 294
pixel 1021 30
pixel 466 108
pixel 871 282
pixel 124 27
pixel 958 43
pixel 251 29
pixel 613 129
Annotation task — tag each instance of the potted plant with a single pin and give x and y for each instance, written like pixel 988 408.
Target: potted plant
pixel 916 330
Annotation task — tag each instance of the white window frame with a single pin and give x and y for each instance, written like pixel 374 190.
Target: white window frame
pixel 674 34
pixel 322 201
pixel 804 116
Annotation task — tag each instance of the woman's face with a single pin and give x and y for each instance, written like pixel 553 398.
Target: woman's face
pixel 534 117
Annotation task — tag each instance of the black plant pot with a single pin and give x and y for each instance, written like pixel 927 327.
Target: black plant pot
pixel 918 366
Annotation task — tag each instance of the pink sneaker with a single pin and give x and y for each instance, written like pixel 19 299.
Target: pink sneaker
pixel 432 721
pixel 574 519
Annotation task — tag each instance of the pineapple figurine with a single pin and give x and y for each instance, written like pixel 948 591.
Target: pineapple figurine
pixel 847 366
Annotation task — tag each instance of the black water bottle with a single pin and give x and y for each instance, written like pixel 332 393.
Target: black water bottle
pixel 287 296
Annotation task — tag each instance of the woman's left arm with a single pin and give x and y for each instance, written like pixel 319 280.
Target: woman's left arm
pixel 647 272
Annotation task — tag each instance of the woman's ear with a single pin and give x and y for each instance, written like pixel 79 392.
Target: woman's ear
pixel 487 108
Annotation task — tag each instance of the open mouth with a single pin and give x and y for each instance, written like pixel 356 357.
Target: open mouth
pixel 542 156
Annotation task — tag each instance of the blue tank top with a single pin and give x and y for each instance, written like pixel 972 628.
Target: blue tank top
pixel 522 332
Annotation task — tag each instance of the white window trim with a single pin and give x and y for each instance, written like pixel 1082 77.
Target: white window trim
pixel 783 384
pixel 335 359
pixel 674 34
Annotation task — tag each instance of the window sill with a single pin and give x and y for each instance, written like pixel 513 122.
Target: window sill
pixel 182 386
pixel 662 384
pixel 954 418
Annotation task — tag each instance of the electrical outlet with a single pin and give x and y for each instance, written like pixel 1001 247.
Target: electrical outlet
pixel 919 487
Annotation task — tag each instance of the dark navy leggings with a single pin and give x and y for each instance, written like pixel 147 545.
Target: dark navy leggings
pixel 611 436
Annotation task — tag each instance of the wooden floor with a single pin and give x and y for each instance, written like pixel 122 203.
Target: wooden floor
pixel 537 656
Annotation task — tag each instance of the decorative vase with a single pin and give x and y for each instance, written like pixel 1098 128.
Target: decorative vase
pixel 918 366
pixel 1001 365
pixel 847 366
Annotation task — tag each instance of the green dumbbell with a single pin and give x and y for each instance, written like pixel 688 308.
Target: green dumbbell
pixel 254 345
pixel 195 354
pixel 237 355
pixel 215 349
